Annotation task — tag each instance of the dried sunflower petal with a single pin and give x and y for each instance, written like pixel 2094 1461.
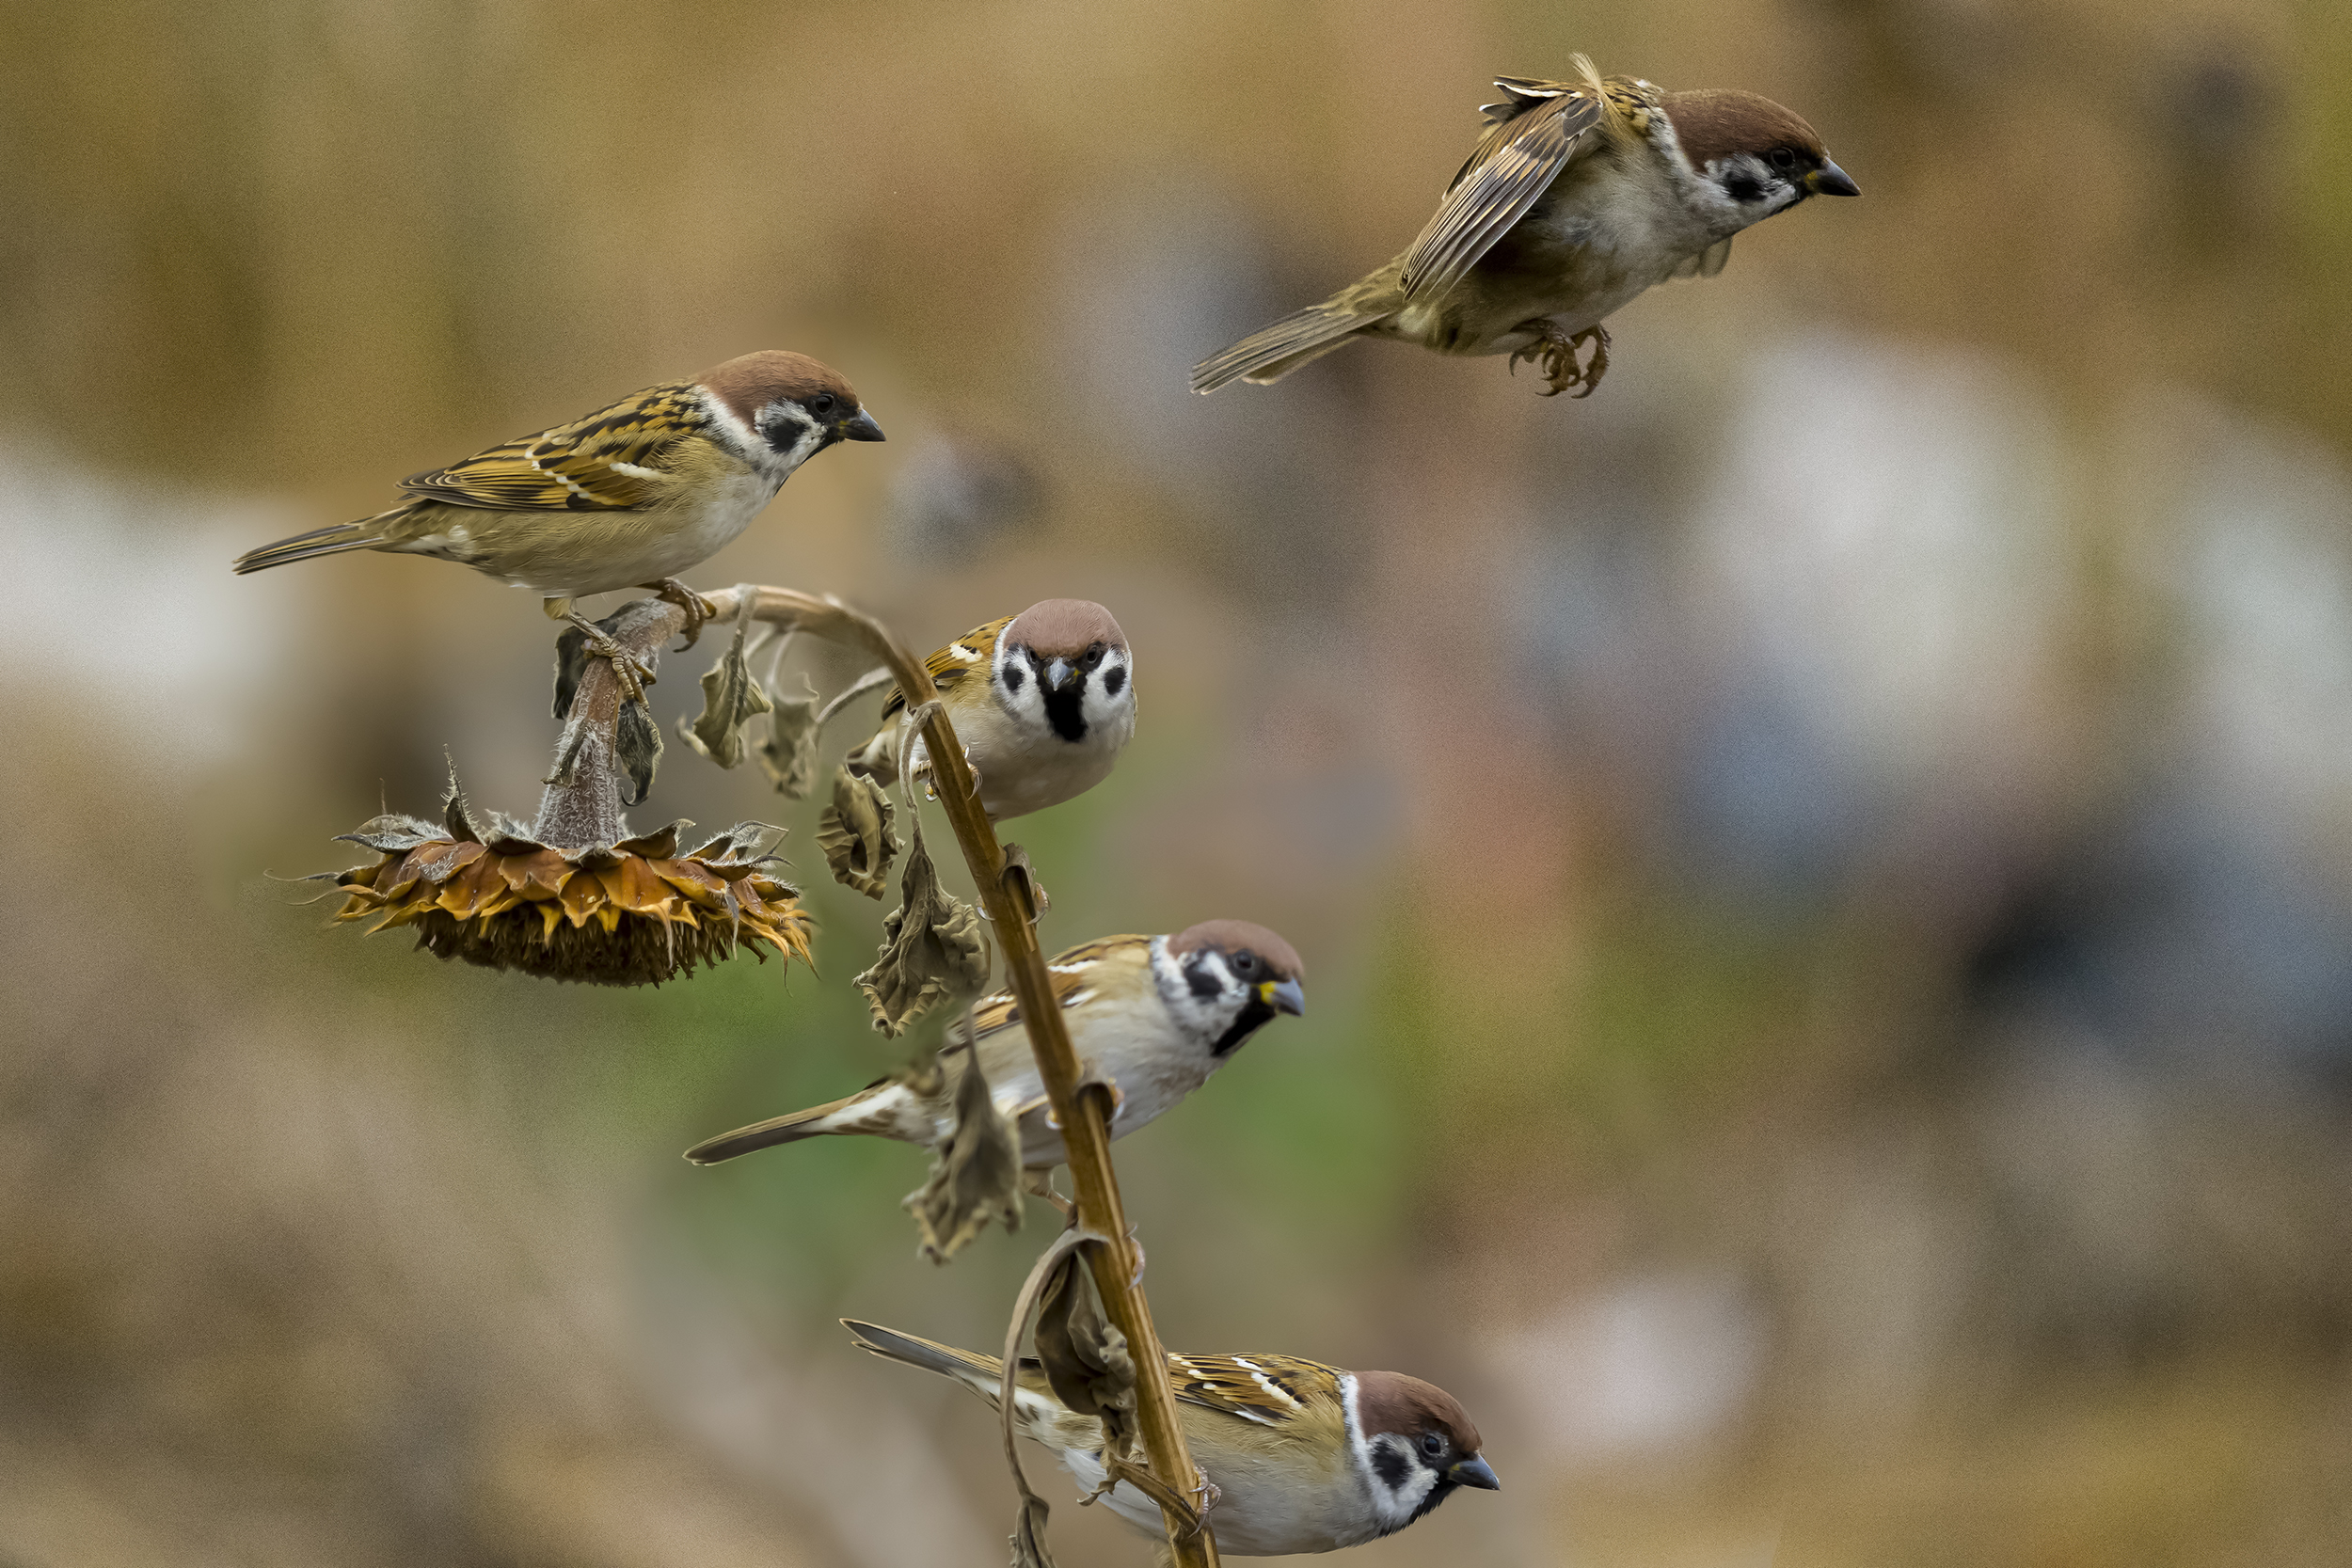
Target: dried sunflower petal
pixel 854 833
pixel 605 915
pixel 931 951
pixel 731 699
pixel 976 1170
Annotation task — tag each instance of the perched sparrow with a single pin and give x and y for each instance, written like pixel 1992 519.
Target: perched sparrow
pixel 1152 1015
pixel 628 497
pixel 1057 702
pixel 1305 1457
pixel 1580 195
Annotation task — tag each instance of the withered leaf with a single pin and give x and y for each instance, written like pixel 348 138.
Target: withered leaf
pixel 976 1170
pixel 571 660
pixel 1028 1533
pixel 732 698
pixel 932 948
pixel 788 756
pixel 637 739
pixel 855 832
pixel 1085 1354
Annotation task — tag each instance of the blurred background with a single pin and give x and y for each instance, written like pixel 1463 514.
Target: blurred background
pixel 1825 870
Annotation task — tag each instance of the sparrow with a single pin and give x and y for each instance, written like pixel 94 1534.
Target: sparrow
pixel 627 497
pixel 1152 1015
pixel 1304 1457
pixel 1047 723
pixel 1578 196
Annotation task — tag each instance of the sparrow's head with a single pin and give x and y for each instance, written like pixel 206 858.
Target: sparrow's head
pixel 1414 1443
pixel 1751 158
pixel 788 408
pixel 1225 979
pixel 1064 664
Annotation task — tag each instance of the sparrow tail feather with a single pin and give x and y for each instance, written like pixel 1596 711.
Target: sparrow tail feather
pixel 814 1122
pixel 364 534
pixel 1273 351
pixel 981 1374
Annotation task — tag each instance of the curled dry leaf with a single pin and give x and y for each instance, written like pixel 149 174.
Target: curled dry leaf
pixel 637 741
pixel 854 833
pixel 932 948
pixel 976 1169
pixel 788 756
pixel 1086 1356
pixel 629 913
pixel 732 698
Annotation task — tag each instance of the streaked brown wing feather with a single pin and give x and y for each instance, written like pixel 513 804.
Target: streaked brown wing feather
pixel 975 650
pixel 1271 1390
pixel 580 467
pixel 1066 972
pixel 1531 139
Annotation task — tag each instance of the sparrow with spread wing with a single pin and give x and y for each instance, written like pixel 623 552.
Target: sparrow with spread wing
pixel 627 497
pixel 1152 1015
pixel 1304 1457
pixel 1580 195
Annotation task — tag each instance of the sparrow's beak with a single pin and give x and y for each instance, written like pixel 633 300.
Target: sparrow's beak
pixel 1474 1471
pixel 1284 996
pixel 862 428
pixel 1057 674
pixel 1829 180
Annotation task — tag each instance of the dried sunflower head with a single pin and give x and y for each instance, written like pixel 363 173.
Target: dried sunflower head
pixel 619 914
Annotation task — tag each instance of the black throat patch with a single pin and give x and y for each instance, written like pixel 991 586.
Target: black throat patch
pixel 1065 710
pixel 1254 1016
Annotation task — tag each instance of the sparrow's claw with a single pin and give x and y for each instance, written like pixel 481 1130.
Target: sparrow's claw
pixel 633 674
pixel 1039 1183
pixel 1557 350
pixel 698 609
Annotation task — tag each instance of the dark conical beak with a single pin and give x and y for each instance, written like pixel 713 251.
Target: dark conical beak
pixel 1474 1471
pixel 1284 996
pixel 1829 180
pixel 862 428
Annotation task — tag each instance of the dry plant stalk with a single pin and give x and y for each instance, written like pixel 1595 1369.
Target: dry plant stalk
pixel 1082 1111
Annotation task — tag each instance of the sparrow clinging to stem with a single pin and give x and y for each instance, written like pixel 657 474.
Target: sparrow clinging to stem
pixel 1304 1457
pixel 1041 701
pixel 627 497
pixel 1580 195
pixel 1152 1015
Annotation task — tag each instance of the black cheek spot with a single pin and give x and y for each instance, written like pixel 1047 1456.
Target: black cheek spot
pixel 1204 985
pixel 1014 675
pixel 1115 682
pixel 1391 1465
pixel 1744 187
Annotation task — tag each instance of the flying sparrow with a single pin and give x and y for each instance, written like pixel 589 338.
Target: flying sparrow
pixel 1154 1016
pixel 1046 723
pixel 627 497
pixel 1580 195
pixel 1305 1457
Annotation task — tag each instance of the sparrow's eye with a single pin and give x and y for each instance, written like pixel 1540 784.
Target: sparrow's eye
pixel 1093 655
pixel 1245 963
pixel 822 405
pixel 1432 1444
pixel 1783 158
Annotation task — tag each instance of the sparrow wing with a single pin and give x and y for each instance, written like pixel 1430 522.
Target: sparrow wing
pixel 1537 131
pixel 615 459
pixel 975 650
pixel 1081 975
pixel 1271 1390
